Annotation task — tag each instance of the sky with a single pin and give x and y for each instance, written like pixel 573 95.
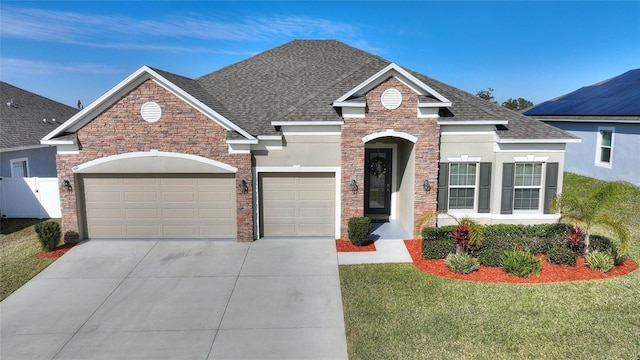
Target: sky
pixel 539 50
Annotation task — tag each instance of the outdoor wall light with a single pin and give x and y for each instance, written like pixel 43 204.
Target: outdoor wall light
pixel 426 186
pixel 243 186
pixel 66 185
pixel 353 186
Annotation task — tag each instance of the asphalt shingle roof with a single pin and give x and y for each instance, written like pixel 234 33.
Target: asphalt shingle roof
pixel 299 81
pixel 21 123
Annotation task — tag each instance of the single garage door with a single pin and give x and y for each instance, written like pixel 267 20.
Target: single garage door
pixel 297 204
pixel 130 206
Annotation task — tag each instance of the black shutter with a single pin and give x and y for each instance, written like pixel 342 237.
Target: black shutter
pixel 484 193
pixel 443 187
pixel 550 185
pixel 506 202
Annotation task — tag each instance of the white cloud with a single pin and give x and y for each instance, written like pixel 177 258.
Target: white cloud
pixel 14 67
pixel 109 31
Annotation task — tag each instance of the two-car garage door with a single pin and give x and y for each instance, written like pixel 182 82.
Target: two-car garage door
pixel 129 206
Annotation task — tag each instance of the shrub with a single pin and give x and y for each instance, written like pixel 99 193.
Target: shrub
pixel 575 237
pixel 438 233
pixel 437 249
pixel 49 235
pixel 358 230
pixel 541 245
pixel 555 230
pixel 462 263
pixel 520 263
pixel 491 257
pixel 562 256
pixel 618 258
pixel 601 261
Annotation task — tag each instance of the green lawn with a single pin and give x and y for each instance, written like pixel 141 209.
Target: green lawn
pixel 18 249
pixel 394 311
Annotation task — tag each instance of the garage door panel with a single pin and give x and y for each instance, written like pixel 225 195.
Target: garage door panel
pixel 298 204
pixel 140 207
pixel 143 230
pixel 140 196
pixel 216 197
pixel 141 214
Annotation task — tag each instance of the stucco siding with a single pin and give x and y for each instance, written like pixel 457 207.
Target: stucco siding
pixel 312 150
pixel 581 157
pixel 42 161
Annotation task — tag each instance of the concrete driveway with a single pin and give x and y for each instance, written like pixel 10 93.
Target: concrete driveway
pixel 182 299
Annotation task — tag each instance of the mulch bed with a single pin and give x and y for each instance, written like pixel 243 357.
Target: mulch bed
pixel 347 246
pixel 549 272
pixel 59 251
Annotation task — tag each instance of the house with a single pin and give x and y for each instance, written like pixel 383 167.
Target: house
pixel 293 142
pixel 27 167
pixel 606 116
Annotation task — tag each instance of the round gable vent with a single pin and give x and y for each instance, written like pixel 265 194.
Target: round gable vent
pixel 391 99
pixel 150 112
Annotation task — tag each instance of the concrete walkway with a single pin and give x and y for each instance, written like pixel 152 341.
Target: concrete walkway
pixel 271 299
pixel 387 251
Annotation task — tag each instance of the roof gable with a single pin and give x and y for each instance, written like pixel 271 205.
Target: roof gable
pixel 423 90
pixel 185 88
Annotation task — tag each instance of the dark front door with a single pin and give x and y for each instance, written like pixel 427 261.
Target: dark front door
pixel 377 183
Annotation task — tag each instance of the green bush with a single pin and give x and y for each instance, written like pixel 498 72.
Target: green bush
pixel 491 257
pixel 600 261
pixel 462 263
pixel 437 249
pixel 597 242
pixel 358 230
pixel 562 256
pixel 49 234
pixel 618 258
pixel 494 243
pixel 520 263
pixel 555 230
pixel 541 245
pixel 438 233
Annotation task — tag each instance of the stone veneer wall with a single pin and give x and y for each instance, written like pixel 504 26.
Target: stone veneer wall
pixel 378 119
pixel 182 129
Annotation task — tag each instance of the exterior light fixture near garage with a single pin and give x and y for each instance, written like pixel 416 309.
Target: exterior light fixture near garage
pixel 244 188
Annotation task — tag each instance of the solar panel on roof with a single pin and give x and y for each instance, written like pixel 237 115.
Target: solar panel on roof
pixel 617 96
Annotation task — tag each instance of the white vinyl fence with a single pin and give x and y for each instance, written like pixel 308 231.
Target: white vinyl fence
pixel 29 198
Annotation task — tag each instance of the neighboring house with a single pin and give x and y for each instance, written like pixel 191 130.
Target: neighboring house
pixel 26 165
pixel 606 116
pixel 293 142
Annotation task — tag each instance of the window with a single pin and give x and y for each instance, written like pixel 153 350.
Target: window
pixel 19 167
pixel 527 184
pixel 462 185
pixel 604 147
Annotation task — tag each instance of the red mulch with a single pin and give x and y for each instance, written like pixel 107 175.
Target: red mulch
pixel 549 272
pixel 347 246
pixel 59 251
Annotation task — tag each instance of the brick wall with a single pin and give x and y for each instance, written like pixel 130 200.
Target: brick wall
pixel 182 129
pixel 378 119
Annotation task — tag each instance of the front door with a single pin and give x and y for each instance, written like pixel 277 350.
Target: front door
pixel 377 184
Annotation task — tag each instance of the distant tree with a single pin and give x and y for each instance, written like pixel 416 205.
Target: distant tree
pixel 517 104
pixel 486 94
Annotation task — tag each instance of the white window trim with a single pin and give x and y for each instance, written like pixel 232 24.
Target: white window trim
pixel 539 187
pixel 599 163
pixel 464 160
pixel 26 164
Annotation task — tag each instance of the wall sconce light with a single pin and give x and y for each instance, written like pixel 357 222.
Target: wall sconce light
pixel 243 186
pixel 426 186
pixel 66 185
pixel 353 185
